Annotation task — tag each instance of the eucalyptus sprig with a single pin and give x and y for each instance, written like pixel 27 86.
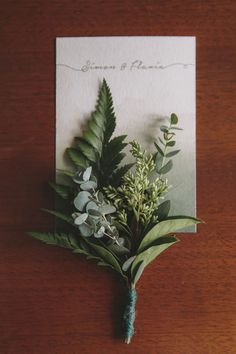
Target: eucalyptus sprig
pixel 167 142
pixel 116 215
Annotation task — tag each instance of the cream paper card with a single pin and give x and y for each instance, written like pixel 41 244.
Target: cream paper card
pixel 149 77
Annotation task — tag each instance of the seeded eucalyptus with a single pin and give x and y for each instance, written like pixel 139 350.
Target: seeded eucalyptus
pixel 115 215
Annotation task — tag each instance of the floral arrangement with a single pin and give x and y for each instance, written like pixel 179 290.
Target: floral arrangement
pixel 115 214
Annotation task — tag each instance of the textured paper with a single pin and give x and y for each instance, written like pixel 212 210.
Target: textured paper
pixel 149 77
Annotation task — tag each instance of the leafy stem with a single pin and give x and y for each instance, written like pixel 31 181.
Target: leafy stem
pixel 168 133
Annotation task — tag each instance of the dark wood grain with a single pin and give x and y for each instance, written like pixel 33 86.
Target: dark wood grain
pixel 52 302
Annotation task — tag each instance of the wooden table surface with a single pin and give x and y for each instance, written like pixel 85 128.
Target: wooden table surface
pixel 53 302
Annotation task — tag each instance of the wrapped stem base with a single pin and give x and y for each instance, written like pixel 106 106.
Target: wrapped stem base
pixel 129 315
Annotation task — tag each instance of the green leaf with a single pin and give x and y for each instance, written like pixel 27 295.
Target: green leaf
pixel 105 108
pixel 166 168
pixel 107 209
pixel 77 157
pixel 163 210
pixel 173 119
pixel 119 250
pixel 170 143
pixel 87 174
pixel 81 219
pixel 128 263
pixel 95 145
pixel 166 227
pixel 138 270
pixel 86 149
pixel 94 212
pixel 164 129
pixel 159 161
pixel 119 173
pixel 172 153
pixel 146 257
pixel 95 128
pixel 93 140
pixel 52 238
pixel 159 149
pixel 100 121
pixel 107 256
pixel 113 148
pixel 59 215
pixel 115 162
pixel 65 192
pixel 81 200
pixel 121 227
pixel 176 128
pixel 86 186
pixel 66 172
pixel 71 242
pixel 86 230
pixel 91 256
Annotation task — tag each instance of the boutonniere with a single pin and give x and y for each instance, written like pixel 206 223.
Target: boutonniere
pixel 117 214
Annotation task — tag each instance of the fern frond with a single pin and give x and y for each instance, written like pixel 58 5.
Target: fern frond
pixel 59 215
pixel 86 149
pixel 105 107
pixel 95 147
pixel 77 158
pixel 66 172
pixel 74 243
pixel 113 148
pixel 119 173
pixel 65 192
pixel 55 239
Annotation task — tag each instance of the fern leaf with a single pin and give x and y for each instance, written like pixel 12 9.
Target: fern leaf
pixel 63 240
pixel 119 173
pixel 113 148
pixel 59 215
pixel 77 157
pixel 95 147
pixel 66 172
pixel 95 128
pixel 93 257
pixel 86 149
pixel 65 192
pixel 93 140
pixel 105 108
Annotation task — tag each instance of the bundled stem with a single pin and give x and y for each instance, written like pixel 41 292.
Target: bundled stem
pixel 129 315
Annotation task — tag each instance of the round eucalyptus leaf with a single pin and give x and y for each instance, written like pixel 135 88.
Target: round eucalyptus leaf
pixel 100 197
pixel 114 231
pixel 94 213
pixel 81 200
pixel 109 218
pixel 75 215
pixel 92 222
pixel 81 219
pixel 107 209
pixel 87 174
pixel 85 230
pixel 173 118
pixel 171 143
pixel 105 223
pixel 86 186
pixel 100 232
pixel 91 206
pixel 78 177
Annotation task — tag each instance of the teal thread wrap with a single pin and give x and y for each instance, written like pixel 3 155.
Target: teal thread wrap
pixel 129 315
